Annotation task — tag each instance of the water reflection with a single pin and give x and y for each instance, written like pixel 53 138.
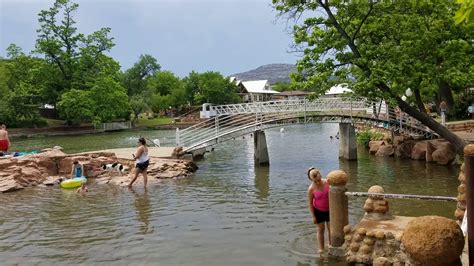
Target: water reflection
pixel 143 210
pixel 262 184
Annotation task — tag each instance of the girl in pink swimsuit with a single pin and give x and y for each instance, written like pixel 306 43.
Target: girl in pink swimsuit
pixel 318 204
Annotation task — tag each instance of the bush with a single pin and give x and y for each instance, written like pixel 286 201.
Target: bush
pixel 365 136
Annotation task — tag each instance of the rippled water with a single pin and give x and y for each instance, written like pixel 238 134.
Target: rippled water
pixel 228 213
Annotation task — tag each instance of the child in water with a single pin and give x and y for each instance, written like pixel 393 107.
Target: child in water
pixel 77 169
pixel 318 203
pixel 83 189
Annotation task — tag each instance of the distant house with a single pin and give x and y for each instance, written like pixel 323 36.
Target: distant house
pixel 292 95
pixel 255 90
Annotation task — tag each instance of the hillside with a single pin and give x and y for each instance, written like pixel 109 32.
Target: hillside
pixel 273 73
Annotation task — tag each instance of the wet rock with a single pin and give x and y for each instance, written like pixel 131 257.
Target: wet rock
pixel 433 240
pixel 445 154
pixel 385 150
pixel 374 145
pixel 419 151
pixel 404 149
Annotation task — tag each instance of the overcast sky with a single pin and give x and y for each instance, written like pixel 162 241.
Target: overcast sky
pixel 228 36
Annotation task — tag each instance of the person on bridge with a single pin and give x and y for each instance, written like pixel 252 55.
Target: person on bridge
pixel 318 204
pixel 4 140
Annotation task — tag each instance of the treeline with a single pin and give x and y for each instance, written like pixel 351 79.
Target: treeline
pixel 73 73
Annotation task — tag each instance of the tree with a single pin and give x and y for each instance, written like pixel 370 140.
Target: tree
pixel 381 48
pixel 164 82
pixel 26 86
pixel 135 78
pixel 110 100
pixel 138 106
pixel 76 106
pixel 64 48
pixel 211 87
pixel 465 14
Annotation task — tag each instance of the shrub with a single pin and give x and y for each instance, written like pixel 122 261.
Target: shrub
pixel 366 135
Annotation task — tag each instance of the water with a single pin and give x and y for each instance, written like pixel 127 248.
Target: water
pixel 81 143
pixel 228 213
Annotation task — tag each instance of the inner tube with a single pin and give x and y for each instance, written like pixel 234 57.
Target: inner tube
pixel 73 183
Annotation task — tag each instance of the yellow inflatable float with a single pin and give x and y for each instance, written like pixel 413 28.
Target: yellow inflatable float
pixel 73 183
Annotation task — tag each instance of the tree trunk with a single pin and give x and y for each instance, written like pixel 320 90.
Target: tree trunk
pixel 445 133
pixel 418 100
pixel 446 95
pixel 457 142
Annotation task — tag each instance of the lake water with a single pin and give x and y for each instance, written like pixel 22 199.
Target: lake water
pixel 229 213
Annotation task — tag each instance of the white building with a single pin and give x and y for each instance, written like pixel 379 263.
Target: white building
pixel 337 91
pixel 255 91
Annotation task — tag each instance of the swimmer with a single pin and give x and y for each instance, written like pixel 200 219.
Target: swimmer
pixel 83 189
pixel 4 140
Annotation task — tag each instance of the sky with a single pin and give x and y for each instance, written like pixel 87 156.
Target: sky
pixel 229 36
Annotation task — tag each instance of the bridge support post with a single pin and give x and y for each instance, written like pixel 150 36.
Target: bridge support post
pixel 347 142
pixel 260 148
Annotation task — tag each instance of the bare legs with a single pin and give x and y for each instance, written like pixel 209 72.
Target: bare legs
pixel 320 230
pixel 329 233
pixel 145 177
pixel 137 172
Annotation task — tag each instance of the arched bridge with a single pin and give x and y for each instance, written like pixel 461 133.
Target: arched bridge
pixel 225 122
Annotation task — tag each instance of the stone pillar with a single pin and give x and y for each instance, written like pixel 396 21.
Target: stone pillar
pixel 347 142
pixel 338 211
pixel 260 148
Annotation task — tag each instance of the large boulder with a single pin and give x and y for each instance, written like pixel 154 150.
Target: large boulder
pixel 385 150
pixel 433 240
pixel 374 145
pixel 404 149
pixel 419 151
pixel 445 154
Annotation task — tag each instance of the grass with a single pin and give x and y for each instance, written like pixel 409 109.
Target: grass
pixel 54 122
pixel 144 121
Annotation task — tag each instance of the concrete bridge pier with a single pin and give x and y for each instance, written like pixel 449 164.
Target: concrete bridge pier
pixel 347 141
pixel 260 148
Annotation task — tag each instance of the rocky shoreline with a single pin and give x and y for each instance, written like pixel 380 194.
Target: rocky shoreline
pixel 439 151
pixel 51 165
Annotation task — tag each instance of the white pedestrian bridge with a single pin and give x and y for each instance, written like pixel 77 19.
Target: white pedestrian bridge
pixel 226 122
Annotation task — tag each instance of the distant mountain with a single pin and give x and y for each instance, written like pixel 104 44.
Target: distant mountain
pixel 273 73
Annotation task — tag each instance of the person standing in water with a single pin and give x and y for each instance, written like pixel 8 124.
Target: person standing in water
pixel 4 140
pixel 318 204
pixel 142 161
pixel 77 170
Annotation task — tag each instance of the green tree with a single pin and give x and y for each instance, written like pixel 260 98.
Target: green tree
pixel 191 86
pixel 110 100
pixel 135 78
pixel 159 103
pixel 164 82
pixel 210 87
pixel 381 48
pixel 76 106
pixel 65 49
pixel 465 13
pixel 138 106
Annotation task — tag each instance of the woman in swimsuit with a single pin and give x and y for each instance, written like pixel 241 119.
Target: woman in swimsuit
pixel 318 204
pixel 142 161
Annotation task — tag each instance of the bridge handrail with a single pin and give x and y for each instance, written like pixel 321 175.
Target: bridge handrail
pixel 235 117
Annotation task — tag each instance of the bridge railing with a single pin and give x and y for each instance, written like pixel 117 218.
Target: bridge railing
pixel 234 119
